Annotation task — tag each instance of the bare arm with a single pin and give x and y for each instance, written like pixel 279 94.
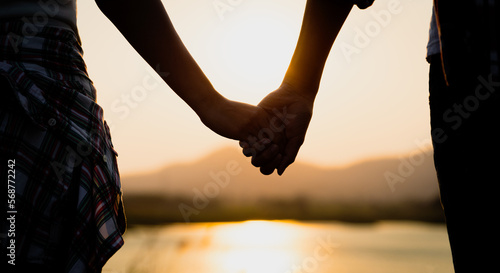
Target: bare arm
pixel 147 27
pixel 322 22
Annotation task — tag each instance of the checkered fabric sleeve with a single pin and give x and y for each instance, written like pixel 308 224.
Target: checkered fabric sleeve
pixel 68 195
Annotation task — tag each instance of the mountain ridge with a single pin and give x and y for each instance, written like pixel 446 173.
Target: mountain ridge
pixel 387 179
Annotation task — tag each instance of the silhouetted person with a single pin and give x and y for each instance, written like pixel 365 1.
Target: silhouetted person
pixel 465 114
pixel 56 156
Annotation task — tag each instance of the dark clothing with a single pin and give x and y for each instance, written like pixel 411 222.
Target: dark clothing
pixel 465 123
pixel 464 88
pixel 470 38
pixel 363 4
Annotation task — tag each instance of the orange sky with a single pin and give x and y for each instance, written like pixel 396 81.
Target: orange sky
pixel 373 99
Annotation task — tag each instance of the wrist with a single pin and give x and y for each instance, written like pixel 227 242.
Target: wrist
pixel 305 92
pixel 207 105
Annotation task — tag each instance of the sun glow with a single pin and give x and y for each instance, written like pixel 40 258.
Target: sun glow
pixel 257 246
pixel 255 48
pixel 254 51
pixel 257 233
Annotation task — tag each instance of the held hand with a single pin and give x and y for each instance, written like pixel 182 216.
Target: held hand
pixel 243 122
pixel 231 119
pixel 290 112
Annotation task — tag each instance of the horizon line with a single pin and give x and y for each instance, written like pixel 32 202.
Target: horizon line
pixel 422 149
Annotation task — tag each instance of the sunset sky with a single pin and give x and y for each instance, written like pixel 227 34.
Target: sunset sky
pixel 373 99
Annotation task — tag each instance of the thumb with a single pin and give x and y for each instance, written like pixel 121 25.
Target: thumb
pixel 290 153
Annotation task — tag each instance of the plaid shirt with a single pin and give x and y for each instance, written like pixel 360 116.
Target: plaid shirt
pixel 68 193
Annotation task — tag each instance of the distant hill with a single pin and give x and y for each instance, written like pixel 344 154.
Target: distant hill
pixel 381 180
pixel 223 184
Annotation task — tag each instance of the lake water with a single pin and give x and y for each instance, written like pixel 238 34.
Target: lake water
pixel 285 247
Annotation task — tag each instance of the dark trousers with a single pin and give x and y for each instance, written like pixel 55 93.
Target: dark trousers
pixel 465 121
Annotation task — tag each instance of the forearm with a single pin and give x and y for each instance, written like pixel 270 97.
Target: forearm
pixel 322 21
pixel 147 27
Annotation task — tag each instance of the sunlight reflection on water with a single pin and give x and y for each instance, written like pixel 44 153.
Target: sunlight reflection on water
pixel 284 247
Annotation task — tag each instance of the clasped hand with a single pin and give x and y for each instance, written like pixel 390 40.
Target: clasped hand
pixel 271 132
